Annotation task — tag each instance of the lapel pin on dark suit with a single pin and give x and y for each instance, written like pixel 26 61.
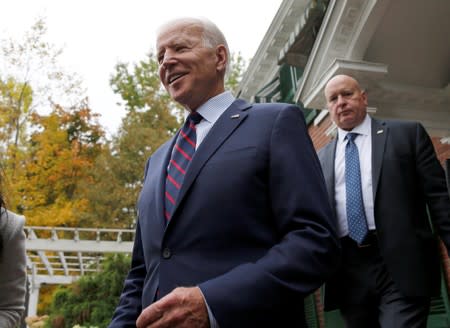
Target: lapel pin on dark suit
pixel 235 116
pixel 379 131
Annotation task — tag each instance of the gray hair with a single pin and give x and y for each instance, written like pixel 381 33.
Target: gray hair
pixel 212 36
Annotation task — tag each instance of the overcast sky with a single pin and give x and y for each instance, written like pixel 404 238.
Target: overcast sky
pixel 98 34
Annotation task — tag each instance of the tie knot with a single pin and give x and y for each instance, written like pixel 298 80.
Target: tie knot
pixel 195 117
pixel 351 136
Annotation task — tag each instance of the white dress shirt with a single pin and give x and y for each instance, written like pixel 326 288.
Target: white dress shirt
pixel 210 112
pixel 364 144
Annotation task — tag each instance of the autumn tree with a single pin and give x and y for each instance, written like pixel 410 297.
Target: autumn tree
pixel 12 127
pixel 32 82
pixel 63 146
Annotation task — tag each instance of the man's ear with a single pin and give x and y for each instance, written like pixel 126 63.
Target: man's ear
pixel 222 57
pixel 364 97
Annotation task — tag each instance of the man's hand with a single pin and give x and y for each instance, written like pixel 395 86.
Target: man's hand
pixel 183 307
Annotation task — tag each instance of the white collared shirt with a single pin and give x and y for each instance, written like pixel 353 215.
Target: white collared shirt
pixel 364 143
pixel 211 111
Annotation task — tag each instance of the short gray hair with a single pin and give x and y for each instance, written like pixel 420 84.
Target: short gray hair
pixel 212 36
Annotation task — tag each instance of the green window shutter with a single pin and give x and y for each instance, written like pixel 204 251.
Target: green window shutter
pixel 310 115
pixel 311 312
pixel 333 319
pixel 439 316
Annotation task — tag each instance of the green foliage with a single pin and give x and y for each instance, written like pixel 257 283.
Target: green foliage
pixel 236 70
pixel 139 84
pixel 92 299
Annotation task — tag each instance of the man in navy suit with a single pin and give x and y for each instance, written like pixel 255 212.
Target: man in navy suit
pixel 250 231
pixel 386 279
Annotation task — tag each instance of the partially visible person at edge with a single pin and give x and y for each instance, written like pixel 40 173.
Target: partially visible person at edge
pixel 390 258
pixel 239 233
pixel 12 267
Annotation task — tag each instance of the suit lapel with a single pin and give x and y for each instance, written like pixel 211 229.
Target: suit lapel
pixel 220 131
pixel 379 135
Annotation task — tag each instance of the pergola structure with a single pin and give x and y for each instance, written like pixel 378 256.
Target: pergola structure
pixel 57 255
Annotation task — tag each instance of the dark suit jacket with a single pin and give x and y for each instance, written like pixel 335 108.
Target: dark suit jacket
pixel 252 225
pixel 407 178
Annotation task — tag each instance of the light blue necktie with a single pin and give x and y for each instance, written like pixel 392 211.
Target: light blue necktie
pixel 356 217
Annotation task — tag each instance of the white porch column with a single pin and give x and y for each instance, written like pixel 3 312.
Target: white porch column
pixel 33 300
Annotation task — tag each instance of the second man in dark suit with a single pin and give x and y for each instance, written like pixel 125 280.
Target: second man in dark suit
pixel 381 178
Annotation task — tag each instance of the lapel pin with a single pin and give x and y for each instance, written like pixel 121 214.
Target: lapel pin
pixel 235 116
pixel 379 131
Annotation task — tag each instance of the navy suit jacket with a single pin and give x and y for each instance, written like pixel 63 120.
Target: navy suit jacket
pixel 407 179
pixel 252 226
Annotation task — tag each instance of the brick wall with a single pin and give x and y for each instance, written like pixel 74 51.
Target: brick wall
pixel 317 133
pixel 442 150
pixel 443 153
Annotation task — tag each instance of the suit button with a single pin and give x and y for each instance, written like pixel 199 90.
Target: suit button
pixel 166 253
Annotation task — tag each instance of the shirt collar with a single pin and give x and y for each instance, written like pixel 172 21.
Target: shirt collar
pixel 363 128
pixel 215 106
